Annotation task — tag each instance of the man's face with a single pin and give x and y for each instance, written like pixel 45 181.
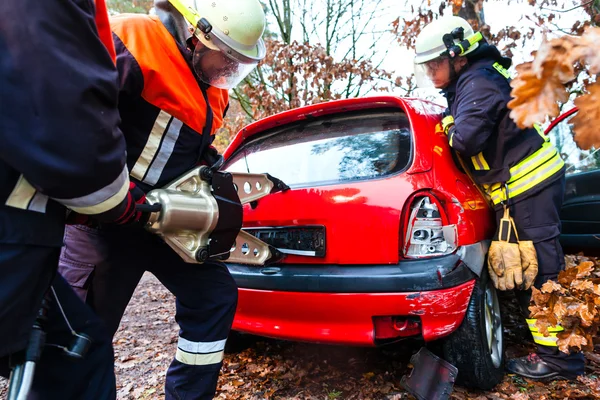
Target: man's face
pixel 438 70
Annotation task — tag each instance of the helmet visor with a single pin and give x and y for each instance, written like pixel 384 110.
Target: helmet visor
pixel 430 73
pixel 218 68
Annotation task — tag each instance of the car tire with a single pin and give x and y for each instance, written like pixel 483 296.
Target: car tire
pixel 238 342
pixel 468 348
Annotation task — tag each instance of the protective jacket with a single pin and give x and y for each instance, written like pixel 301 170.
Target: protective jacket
pixel 56 151
pixel 168 117
pixel 497 151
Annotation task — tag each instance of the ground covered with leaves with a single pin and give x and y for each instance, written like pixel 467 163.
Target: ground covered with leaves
pixel 272 369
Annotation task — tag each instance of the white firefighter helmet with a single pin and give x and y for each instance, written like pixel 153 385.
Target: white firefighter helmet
pixel 230 38
pixel 446 37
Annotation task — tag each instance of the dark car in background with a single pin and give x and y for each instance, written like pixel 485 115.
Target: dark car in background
pixel 580 213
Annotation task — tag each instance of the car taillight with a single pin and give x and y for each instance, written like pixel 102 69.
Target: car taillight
pixel 428 232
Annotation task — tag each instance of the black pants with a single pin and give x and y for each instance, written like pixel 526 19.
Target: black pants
pixel 26 273
pixel 538 219
pixel 105 266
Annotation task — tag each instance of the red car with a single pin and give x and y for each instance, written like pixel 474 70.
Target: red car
pixel 385 237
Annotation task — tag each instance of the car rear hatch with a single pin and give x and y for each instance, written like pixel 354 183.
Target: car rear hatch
pixel 349 174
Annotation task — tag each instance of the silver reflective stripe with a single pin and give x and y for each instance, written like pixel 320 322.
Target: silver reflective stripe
pixel 38 203
pixel 152 144
pixel 430 54
pixel 199 353
pixel 103 199
pixel 200 347
pixel 164 153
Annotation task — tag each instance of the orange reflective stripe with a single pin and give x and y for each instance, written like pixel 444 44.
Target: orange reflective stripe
pixel 169 83
pixel 104 28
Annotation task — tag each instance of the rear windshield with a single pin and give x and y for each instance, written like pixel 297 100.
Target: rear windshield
pixel 330 149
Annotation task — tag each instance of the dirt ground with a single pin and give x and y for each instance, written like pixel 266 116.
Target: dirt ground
pixel 272 369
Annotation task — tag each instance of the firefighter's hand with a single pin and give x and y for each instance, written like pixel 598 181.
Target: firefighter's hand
pixel 126 213
pixel 447 124
pixel 529 263
pixel 504 265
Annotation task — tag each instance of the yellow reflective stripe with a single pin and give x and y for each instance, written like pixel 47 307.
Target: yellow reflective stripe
pixel 451 137
pixel 529 181
pixel 534 176
pixel 537 176
pixel 479 162
pixel 546 152
pixel 21 195
pixel 545 340
pixel 503 71
pixel 198 358
pixel 533 328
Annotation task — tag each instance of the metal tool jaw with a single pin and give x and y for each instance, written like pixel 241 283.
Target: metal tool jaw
pixel 200 216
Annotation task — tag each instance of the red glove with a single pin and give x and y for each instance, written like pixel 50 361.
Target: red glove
pixel 134 197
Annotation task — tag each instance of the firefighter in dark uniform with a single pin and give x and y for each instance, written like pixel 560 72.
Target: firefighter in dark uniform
pixel 174 81
pixel 60 146
pixel 516 167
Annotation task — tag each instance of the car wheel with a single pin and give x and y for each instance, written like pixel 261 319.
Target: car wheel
pixel 476 348
pixel 238 342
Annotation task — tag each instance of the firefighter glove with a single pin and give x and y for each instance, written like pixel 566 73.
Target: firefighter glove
pixel 529 263
pixel 126 213
pixel 504 256
pixel 504 265
pixel 447 124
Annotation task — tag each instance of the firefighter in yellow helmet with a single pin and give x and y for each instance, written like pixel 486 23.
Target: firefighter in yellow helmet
pixel 520 170
pixel 175 69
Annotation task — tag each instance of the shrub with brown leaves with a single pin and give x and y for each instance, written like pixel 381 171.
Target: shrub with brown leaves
pixel 541 85
pixel 573 301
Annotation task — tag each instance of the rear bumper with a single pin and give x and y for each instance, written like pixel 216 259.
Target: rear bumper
pixel 337 304
pixel 406 276
pixel 347 318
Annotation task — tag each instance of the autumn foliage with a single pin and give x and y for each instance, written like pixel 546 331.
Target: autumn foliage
pixel 573 301
pixel 541 85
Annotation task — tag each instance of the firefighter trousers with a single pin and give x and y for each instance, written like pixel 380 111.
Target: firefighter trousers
pixel 104 265
pixel 537 218
pixel 27 272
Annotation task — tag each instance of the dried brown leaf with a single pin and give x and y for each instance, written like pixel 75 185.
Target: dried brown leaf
pixel 590 53
pixel 552 287
pixel 539 298
pixel 585 269
pixel 535 96
pixel 586 132
pixel 571 339
pixel 582 285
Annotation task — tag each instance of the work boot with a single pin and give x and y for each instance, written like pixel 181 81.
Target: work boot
pixel 533 367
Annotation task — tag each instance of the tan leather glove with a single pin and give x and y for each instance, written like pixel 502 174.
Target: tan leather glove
pixel 504 265
pixel 504 257
pixel 529 263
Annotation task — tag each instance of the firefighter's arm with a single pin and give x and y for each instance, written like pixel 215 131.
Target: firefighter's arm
pixel 58 114
pixel 478 106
